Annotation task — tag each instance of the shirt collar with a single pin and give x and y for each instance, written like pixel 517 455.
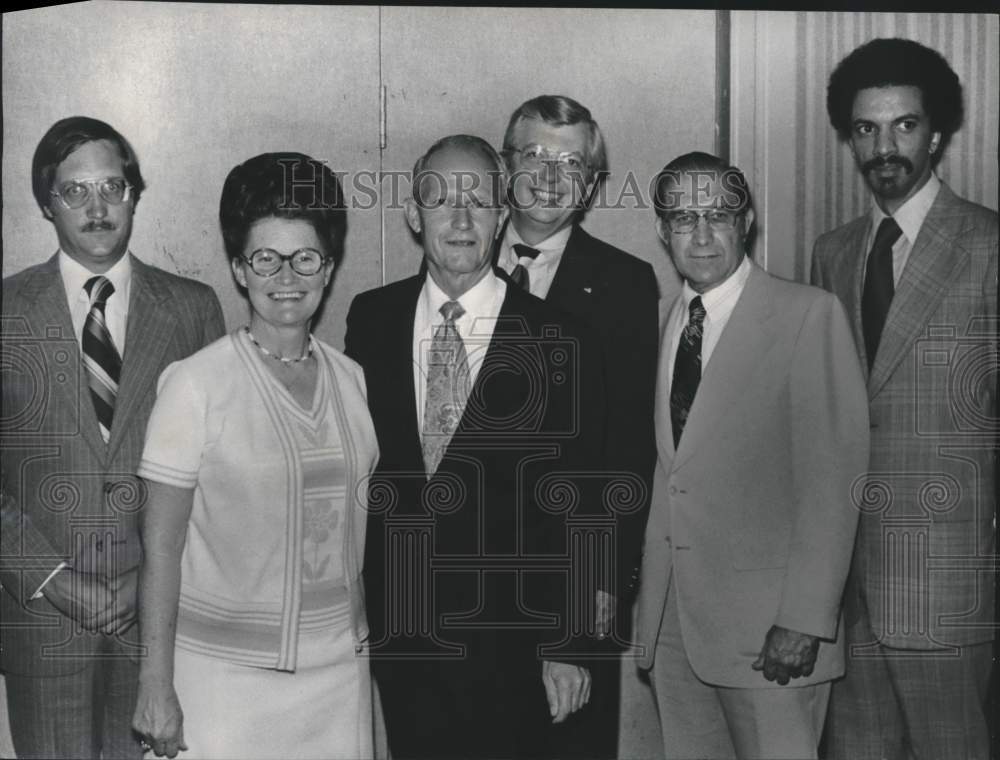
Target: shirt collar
pixel 721 292
pixel 556 242
pixel 75 276
pixel 910 216
pixel 476 301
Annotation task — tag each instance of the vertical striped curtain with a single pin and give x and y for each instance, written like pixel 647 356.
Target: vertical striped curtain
pixel 829 187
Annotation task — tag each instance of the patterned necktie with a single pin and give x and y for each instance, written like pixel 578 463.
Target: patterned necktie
pixel 878 291
pixel 687 369
pixel 519 274
pixel 448 386
pixel 100 357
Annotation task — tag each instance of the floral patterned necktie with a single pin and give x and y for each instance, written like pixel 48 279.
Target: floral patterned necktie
pixel 448 386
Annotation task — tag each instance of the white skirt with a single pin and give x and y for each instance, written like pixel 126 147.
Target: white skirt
pixel 233 712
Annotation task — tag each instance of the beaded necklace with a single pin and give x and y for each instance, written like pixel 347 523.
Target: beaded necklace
pixel 271 355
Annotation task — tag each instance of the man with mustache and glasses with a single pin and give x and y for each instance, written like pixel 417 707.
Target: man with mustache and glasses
pixel 555 152
pixel 918 276
pixel 85 336
pixel 761 429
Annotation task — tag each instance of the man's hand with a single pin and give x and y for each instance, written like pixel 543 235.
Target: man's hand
pixel 606 606
pixel 567 688
pixel 786 654
pixel 159 720
pixel 97 604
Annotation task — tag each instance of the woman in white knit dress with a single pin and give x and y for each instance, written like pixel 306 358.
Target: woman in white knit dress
pixel 255 459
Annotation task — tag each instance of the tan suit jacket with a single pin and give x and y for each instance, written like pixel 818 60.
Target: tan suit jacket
pixel 926 542
pixel 752 515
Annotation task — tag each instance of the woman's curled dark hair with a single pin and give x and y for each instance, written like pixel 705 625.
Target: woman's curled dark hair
pixel 286 186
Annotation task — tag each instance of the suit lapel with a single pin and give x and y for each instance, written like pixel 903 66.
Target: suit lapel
pixel 669 316
pixel 150 330
pixel 396 330
pixel 854 264
pixel 934 261
pixel 49 318
pixel 575 277
pixel 740 349
pixel 493 406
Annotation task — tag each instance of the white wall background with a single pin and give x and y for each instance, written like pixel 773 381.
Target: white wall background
pixel 199 88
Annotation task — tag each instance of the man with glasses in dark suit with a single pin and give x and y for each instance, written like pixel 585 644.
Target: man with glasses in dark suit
pixel 555 152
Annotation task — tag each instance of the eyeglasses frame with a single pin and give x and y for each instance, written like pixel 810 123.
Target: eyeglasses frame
pixel 286 257
pixel 92 184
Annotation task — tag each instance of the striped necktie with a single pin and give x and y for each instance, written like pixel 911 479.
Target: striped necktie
pixel 100 358
pixel 448 386
pixel 687 369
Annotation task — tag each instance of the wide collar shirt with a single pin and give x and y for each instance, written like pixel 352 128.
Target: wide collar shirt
pixel 910 218
pixel 541 269
pixel 718 302
pixel 75 276
pixel 481 302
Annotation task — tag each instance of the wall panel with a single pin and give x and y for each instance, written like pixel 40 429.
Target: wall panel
pixel 196 88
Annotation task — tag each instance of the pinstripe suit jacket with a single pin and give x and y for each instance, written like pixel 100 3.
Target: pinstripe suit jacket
pixel 68 496
pixel 926 538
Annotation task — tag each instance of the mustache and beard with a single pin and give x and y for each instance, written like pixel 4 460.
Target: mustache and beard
pixel 888 184
pixel 880 162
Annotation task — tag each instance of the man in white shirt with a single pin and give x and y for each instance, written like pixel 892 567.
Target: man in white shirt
pixel 918 277
pixel 85 335
pixel 555 152
pixel 761 428
pixel 483 405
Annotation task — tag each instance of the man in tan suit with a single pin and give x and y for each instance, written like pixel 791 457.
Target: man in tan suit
pixel 762 429
pixel 918 276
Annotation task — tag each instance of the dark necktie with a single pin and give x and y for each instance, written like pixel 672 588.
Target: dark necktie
pixel 879 288
pixel 100 357
pixel 448 386
pixel 519 274
pixel 687 369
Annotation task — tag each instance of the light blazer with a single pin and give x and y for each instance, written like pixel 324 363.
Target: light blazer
pixel 66 494
pixel 752 514
pixel 933 403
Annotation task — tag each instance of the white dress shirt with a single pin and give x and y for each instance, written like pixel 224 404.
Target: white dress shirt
pixel 910 218
pixel 482 304
pixel 719 303
pixel 75 276
pixel 542 269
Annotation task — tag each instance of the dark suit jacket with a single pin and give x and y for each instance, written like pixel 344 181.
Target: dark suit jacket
pixel 66 494
pixel 927 509
pixel 466 573
pixel 616 295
